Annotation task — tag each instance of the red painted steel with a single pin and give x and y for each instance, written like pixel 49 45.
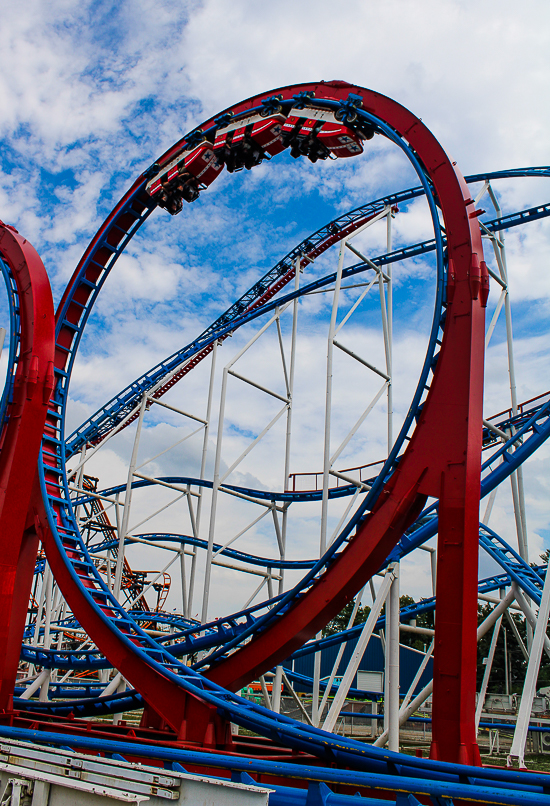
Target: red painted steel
pixel 26 414
pixel 441 460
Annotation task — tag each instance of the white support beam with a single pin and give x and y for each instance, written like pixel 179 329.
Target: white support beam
pixel 420 698
pixel 517 751
pixel 487 672
pixel 128 502
pixel 336 664
pixel 361 360
pixel 391 677
pixel 358 653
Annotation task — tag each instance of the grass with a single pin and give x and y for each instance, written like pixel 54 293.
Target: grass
pixel 535 762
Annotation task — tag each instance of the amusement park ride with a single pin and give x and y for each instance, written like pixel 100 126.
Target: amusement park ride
pixel 87 636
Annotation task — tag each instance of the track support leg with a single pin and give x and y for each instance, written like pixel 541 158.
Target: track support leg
pixel 453 712
pixel 455 653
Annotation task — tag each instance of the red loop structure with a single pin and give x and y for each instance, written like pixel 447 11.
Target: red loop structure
pixel 20 443
pixel 439 461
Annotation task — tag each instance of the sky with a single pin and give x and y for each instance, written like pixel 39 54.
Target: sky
pixel 92 93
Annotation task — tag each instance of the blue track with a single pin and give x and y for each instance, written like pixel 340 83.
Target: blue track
pixel 344 752
pixel 234 630
pixel 194 638
pixel 14 341
pixel 60 513
pixel 123 404
pixel 405 776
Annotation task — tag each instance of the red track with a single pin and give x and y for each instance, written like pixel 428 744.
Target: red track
pixel 442 460
pixel 26 414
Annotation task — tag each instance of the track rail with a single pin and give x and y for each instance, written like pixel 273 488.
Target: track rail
pixel 532 417
pixel 457 374
pixel 24 406
pixel 192 639
pixel 404 776
pixel 14 345
pixel 122 409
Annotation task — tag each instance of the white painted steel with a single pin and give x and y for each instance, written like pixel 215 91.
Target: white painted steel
pixel 517 750
pixel 55 777
pixel 343 645
pixel 127 502
pixel 487 672
pixel 391 676
pixel 358 652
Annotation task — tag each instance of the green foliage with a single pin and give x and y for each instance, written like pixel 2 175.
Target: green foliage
pixel 516 665
pixel 341 621
pixel 426 620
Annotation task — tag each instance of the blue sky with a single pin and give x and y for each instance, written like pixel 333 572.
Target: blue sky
pixel 92 93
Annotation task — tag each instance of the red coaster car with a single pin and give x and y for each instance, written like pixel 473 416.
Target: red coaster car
pixel 340 140
pixel 316 134
pixel 203 164
pixel 246 142
pixel 183 177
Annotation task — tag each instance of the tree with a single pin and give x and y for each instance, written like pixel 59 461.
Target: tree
pixel 516 663
pixel 340 622
pixel 416 640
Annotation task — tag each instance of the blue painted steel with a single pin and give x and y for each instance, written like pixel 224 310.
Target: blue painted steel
pixel 539 433
pixel 187 540
pixel 271 495
pixel 426 719
pixel 115 410
pixel 391 772
pixel 110 415
pixel 410 541
pixel 487 585
pixel 14 339
pixel 158 617
pixel 213 634
pixel 69 526
pixel 304 683
pixel 149 651
pixel 195 637
pixel 216 633
pixel 527 577
pixel 81 708
pixel 247 714
pixel 534 432
pixel 264 495
pixel 429 528
pixel 300 667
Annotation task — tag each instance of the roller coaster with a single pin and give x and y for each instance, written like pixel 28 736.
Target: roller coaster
pixel 82 636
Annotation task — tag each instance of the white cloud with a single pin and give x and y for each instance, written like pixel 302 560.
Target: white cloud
pixel 91 93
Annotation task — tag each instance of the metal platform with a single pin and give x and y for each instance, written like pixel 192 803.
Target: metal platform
pixel 32 775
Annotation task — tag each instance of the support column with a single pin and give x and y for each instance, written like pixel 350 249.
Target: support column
pixel 391 677
pixel 460 414
pixel 517 750
pixel 455 627
pixel 453 720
